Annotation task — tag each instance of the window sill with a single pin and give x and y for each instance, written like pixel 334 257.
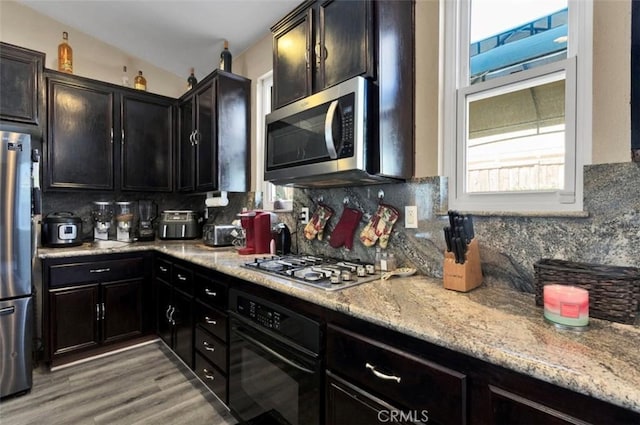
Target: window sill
pixel 532 214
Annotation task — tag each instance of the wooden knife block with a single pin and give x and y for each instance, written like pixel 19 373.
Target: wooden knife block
pixel 463 277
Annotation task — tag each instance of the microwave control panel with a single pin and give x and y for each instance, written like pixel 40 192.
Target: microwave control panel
pixel 347 133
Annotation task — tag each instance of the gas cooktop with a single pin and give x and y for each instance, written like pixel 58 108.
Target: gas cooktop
pixel 329 274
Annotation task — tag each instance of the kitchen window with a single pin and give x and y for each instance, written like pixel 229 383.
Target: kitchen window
pixel 274 198
pixel 517 103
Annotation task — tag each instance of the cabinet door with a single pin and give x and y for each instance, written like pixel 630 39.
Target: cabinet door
pixel 293 60
pixel 183 327
pixel 186 147
pixel 206 141
pixel 80 142
pixel 163 311
pixel 346 41
pixel 122 310
pixel 73 318
pixel 20 75
pixel 146 141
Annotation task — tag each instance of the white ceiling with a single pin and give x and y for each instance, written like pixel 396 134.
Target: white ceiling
pixel 171 34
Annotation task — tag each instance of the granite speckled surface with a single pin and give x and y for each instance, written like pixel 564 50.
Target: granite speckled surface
pixel 493 323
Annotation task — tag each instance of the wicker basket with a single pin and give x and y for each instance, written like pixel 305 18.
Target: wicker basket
pixel 614 292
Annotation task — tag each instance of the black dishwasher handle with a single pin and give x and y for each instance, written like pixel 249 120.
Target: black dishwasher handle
pixel 271 351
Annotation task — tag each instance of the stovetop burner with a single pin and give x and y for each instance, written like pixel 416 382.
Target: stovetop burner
pixel 329 274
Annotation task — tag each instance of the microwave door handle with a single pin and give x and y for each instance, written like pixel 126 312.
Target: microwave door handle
pixel 328 130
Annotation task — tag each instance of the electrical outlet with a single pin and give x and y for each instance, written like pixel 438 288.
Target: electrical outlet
pixel 411 217
pixel 304 215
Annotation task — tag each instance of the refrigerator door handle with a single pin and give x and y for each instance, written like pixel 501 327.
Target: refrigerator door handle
pixel 7 310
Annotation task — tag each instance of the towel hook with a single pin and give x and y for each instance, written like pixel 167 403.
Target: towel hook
pixel 380 195
pixel 345 201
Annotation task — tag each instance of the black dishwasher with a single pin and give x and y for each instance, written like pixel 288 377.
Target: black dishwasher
pixel 275 367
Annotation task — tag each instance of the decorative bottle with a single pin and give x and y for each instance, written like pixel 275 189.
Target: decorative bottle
pixel 225 58
pixel 125 77
pixel 140 82
pixel 65 55
pixel 191 81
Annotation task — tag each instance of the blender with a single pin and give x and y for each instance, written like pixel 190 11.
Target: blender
pixel 147 213
pixel 102 214
pixel 124 220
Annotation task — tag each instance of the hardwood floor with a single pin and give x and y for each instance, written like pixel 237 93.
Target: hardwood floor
pixel 146 385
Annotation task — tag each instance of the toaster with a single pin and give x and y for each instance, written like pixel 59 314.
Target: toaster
pixel 178 225
pixel 219 234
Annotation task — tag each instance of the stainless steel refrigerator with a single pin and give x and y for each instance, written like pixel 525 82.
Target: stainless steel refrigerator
pixel 16 316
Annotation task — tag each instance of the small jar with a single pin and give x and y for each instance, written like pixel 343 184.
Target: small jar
pixel 378 260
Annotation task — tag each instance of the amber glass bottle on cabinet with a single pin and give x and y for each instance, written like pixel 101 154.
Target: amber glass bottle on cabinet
pixel 192 80
pixel 65 55
pixel 225 58
pixel 140 82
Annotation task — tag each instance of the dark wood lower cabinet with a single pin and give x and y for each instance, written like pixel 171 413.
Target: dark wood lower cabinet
pixel 92 303
pixel 74 314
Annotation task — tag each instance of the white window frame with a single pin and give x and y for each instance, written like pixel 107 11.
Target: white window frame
pixel 264 85
pixel 578 131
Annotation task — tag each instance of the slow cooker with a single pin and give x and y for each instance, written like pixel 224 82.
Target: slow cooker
pixel 61 229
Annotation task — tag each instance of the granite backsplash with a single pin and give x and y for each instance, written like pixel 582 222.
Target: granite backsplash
pixel 608 232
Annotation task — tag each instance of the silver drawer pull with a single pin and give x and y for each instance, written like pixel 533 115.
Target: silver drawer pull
pixel 210 292
pixel 100 270
pixel 182 278
pixel 381 375
pixel 163 269
pixel 210 321
pixel 207 346
pixel 207 375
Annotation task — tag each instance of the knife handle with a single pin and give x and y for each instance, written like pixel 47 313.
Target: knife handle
pixel 468 227
pixel 447 238
pixel 461 247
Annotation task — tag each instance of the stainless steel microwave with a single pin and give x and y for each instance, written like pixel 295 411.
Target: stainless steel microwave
pixel 326 139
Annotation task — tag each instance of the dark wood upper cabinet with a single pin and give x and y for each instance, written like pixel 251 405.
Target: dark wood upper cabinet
pixel 147 148
pixel 214 135
pixel 321 44
pixel 104 137
pixel 80 142
pixel 20 83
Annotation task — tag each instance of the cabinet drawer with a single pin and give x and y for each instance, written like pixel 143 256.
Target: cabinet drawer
pixel 212 377
pixel 182 279
pixel 211 292
pixel 98 271
pixel 212 320
pixel 163 270
pixel 398 377
pixel 214 350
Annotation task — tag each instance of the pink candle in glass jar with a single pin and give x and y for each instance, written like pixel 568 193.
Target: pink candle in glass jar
pixel 566 305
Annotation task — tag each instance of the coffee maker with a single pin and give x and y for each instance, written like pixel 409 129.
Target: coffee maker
pixel 257 227
pixel 102 214
pixel 147 212
pixel 124 221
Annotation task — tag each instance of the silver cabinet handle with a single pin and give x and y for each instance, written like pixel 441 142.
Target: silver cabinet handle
pixel 97 311
pixel 166 313
pixel 210 292
pixel 208 346
pixel 381 375
pixel 210 321
pixel 111 140
pixel 103 311
pixel 122 139
pixel 173 310
pixel 196 136
pixel 208 375
pixel 182 278
pixel 163 269
pixel 191 138
pixel 100 270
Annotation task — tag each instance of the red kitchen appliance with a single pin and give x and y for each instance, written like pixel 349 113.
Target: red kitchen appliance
pixel 257 227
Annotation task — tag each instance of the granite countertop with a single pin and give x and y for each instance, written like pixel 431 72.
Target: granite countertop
pixel 498 325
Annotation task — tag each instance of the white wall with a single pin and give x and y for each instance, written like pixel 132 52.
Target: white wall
pixel 92 58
